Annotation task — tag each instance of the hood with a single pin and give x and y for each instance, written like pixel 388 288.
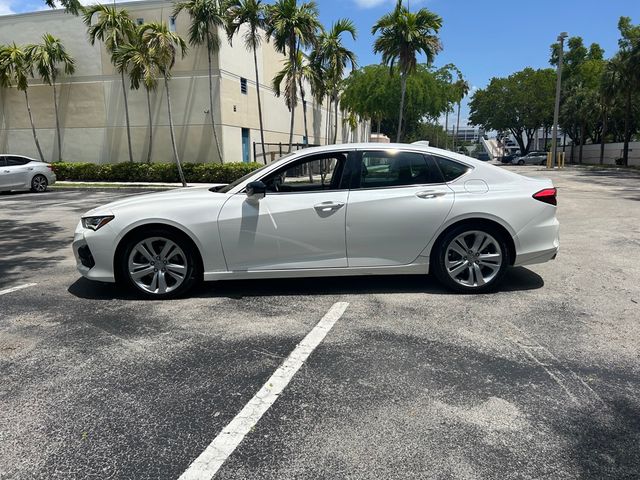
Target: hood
pixel 170 197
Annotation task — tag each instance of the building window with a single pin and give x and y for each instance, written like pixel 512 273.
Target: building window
pixel 243 85
pixel 172 24
pixel 140 21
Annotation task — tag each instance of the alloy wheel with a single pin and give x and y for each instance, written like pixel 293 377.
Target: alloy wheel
pixel 157 265
pixel 473 258
pixel 39 184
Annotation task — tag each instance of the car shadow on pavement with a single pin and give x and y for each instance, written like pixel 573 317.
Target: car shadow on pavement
pixel 28 246
pixel 516 279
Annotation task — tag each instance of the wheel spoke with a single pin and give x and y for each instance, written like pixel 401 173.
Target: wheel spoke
pixel 162 283
pixel 479 278
pixel 153 286
pixel 142 250
pixel 460 268
pixel 175 268
pixel 458 249
pixel 478 241
pixel 168 249
pixel 142 272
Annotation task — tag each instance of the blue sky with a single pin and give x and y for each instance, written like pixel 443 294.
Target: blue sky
pixel 484 39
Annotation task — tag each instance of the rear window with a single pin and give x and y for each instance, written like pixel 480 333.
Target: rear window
pixel 450 169
pixel 14 161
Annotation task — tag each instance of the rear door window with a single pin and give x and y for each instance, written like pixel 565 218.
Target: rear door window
pixel 451 169
pixel 390 168
pixel 15 161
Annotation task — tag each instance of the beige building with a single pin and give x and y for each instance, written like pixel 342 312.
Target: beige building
pixel 92 106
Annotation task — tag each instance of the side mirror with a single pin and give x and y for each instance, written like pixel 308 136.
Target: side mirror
pixel 256 189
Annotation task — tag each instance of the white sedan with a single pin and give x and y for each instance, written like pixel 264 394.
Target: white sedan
pixel 355 209
pixel 24 173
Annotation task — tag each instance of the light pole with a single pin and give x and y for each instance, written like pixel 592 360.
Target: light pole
pixel 556 111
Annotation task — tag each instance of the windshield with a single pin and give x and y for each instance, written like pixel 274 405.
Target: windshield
pixel 226 188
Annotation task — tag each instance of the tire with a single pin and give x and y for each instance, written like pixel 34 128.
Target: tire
pixel 39 184
pixel 447 259
pixel 520 162
pixel 159 264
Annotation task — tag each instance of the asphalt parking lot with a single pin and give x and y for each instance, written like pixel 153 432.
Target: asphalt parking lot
pixel 538 380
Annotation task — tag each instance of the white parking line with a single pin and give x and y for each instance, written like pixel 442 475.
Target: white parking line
pixel 19 287
pixel 209 461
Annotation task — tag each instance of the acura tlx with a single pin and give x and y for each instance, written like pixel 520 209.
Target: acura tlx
pixel 353 209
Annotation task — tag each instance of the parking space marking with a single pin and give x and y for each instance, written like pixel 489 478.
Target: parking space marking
pixel 15 289
pixel 210 461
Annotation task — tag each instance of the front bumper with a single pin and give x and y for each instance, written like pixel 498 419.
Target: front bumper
pixel 90 261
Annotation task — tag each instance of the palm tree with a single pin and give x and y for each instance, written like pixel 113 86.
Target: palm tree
pixel 163 48
pixel 72 6
pixel 403 35
pixel 252 14
pixel 207 16
pixel 45 58
pixel 462 89
pixel 114 28
pixel 136 59
pixel 16 68
pixel 292 27
pixel 334 56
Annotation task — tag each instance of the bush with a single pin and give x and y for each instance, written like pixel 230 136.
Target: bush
pixel 152 172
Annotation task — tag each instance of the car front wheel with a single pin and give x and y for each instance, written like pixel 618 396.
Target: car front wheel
pixel 520 162
pixel 39 184
pixel 159 264
pixel 471 260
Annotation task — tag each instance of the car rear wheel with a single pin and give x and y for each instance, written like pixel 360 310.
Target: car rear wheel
pixel 520 162
pixel 159 264
pixel 39 184
pixel 471 259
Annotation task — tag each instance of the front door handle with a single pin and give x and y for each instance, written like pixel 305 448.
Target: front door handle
pixel 328 206
pixel 426 194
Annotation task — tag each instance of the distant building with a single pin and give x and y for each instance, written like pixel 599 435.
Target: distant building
pixel 92 105
pixel 467 134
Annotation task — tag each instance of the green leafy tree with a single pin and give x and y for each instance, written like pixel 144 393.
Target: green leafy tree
pixel 252 14
pixel 207 17
pixel 334 58
pixel 72 6
pixel 402 36
pixel 164 46
pixel 519 104
pixel 15 69
pixel 137 61
pixel 46 59
pixel 114 28
pixel 461 88
pixel 293 27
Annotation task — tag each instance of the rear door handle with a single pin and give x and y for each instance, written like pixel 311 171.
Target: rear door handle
pixel 328 206
pixel 426 194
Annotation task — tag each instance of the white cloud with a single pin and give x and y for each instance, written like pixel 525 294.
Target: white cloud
pixel 369 3
pixel 5 7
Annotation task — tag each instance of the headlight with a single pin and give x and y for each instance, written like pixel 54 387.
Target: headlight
pixel 94 223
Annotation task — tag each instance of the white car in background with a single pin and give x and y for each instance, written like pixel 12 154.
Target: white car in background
pixel 24 173
pixel 354 209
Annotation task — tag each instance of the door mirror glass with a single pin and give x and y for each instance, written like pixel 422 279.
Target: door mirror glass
pixel 256 189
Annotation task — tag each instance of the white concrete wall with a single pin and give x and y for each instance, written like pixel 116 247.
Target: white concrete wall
pixel 92 105
pixel 612 151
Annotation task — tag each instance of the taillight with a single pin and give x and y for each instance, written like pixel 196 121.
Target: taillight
pixel 548 195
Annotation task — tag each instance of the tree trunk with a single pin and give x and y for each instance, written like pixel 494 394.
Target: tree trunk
pixel 379 122
pixel 604 134
pixel 335 127
pixel 328 133
pixel 213 122
pixel 446 128
pixel 150 126
pixel 293 52
pixel 55 105
pixel 627 130
pixel 126 115
pixel 582 135
pixel 33 127
pixel 255 63
pixel 173 136
pixel 403 90
pixel 304 113
pixel 455 137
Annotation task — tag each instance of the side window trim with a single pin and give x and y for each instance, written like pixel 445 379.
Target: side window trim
pixel 310 158
pixel 430 162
